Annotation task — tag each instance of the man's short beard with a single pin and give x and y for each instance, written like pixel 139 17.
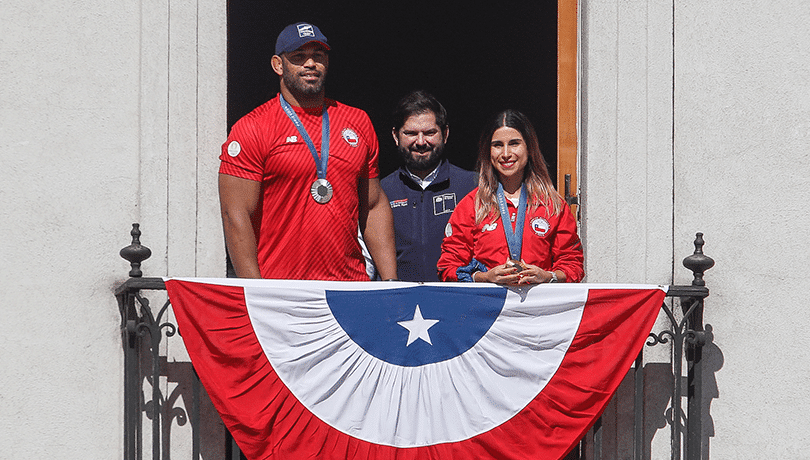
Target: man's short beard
pixel 423 164
pixel 296 84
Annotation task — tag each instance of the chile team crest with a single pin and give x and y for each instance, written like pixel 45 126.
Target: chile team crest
pixel 540 226
pixel 350 137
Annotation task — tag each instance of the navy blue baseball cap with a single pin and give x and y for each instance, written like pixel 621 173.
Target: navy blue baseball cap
pixel 297 35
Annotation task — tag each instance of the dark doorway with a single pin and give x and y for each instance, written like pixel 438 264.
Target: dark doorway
pixel 476 58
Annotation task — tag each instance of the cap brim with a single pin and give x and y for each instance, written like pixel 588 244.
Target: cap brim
pixel 318 42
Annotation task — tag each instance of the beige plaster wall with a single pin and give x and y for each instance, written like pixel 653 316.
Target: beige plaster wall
pixel 696 117
pixel 110 113
pixel 742 155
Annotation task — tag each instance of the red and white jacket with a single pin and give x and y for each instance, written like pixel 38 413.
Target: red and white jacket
pixel 550 242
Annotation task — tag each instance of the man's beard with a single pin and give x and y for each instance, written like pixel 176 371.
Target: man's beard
pixel 296 84
pixel 422 164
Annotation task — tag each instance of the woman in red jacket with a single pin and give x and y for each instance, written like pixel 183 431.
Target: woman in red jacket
pixel 514 228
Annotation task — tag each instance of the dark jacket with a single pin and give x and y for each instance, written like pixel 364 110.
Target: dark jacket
pixel 420 217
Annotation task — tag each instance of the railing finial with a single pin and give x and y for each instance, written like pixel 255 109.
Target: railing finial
pixel 698 262
pixel 135 253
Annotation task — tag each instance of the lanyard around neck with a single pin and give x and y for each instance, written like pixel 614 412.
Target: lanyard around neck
pixel 322 160
pixel 514 238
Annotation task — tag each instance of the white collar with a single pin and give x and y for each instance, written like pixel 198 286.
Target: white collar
pixel 424 183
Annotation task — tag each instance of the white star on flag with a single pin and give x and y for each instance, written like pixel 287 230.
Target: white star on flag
pixel 418 327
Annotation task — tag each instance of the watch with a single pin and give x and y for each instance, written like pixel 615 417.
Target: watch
pixel 553 277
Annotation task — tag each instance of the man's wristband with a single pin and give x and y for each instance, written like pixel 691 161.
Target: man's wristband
pixel 553 277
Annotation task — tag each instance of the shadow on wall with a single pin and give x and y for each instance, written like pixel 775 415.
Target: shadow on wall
pixel 618 418
pixel 176 408
pixel 713 361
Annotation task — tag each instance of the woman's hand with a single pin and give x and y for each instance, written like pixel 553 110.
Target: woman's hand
pixel 508 274
pixel 533 274
pixel 500 274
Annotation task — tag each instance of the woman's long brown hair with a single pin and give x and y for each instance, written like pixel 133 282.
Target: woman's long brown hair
pixel 540 190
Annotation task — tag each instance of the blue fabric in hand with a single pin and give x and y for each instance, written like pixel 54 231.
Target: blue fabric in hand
pixel 466 273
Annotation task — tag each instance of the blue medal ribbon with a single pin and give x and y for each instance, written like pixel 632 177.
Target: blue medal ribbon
pixel 514 238
pixel 321 160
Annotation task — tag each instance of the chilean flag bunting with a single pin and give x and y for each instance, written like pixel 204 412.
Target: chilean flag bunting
pixel 393 370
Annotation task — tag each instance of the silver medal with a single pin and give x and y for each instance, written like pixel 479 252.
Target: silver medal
pixel 321 191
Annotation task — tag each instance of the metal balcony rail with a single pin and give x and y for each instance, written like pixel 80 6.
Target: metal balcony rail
pixel 143 327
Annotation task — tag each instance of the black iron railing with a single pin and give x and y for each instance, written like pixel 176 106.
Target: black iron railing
pixel 143 327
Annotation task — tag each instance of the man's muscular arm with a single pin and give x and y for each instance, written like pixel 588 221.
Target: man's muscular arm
pixel 377 226
pixel 238 199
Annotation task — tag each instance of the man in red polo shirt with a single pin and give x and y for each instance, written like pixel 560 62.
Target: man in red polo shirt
pixel 299 174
